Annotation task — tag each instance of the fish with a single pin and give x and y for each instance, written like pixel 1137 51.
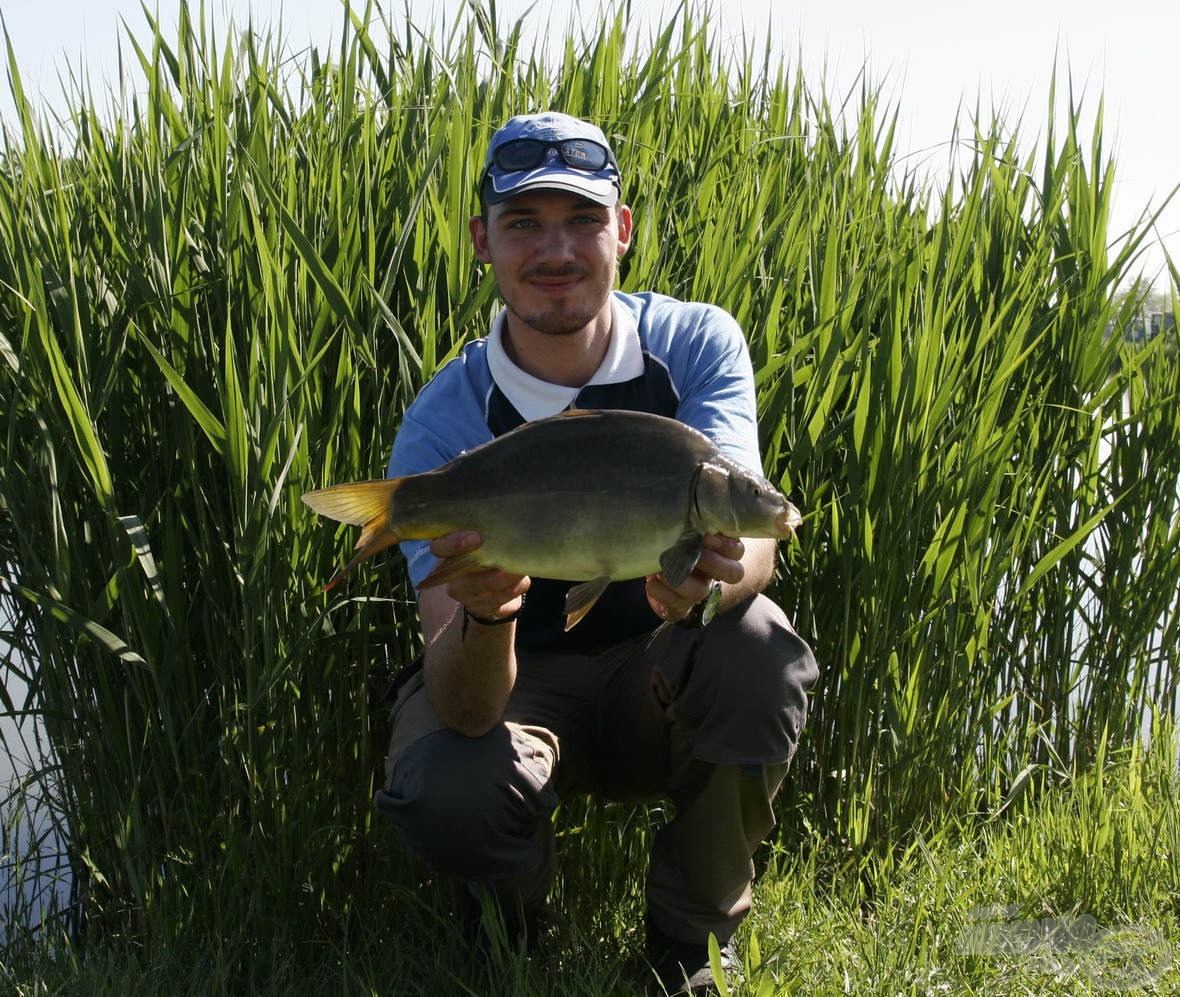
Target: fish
pixel 589 496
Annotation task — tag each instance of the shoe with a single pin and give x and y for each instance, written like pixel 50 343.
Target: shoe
pixel 683 968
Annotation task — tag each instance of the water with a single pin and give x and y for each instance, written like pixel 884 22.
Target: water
pixel 35 876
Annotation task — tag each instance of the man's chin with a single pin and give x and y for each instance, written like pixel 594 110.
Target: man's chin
pixel 557 321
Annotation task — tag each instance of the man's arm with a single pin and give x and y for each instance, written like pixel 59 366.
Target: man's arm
pixel 470 667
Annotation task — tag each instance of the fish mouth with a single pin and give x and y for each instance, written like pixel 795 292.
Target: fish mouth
pixel 787 522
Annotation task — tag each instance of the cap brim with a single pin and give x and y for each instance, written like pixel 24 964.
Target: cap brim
pixel 596 187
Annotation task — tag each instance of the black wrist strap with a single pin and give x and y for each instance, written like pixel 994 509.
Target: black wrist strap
pixel 468 616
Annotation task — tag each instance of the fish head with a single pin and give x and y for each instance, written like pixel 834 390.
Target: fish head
pixel 739 503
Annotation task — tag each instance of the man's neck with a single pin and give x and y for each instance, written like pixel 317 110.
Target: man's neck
pixel 570 360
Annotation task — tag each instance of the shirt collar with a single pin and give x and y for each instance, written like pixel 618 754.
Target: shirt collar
pixel 536 399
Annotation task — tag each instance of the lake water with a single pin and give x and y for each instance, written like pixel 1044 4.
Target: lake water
pixel 35 877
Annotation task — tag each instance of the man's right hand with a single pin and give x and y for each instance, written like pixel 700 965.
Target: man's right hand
pixel 490 594
pixel 470 669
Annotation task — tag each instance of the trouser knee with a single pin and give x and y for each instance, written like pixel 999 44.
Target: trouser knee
pixel 747 696
pixel 473 807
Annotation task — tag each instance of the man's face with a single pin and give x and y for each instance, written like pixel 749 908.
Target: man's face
pixel 554 255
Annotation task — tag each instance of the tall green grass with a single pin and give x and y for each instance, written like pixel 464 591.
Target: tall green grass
pixel 221 284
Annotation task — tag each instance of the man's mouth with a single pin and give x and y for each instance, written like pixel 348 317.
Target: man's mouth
pixel 553 276
pixel 554 282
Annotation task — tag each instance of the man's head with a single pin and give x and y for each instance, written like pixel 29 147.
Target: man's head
pixel 552 226
pixel 551 151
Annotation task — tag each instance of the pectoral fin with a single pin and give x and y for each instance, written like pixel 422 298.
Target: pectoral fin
pixel 677 561
pixel 581 599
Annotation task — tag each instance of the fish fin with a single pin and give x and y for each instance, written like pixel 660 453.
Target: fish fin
pixel 577 413
pixel 581 599
pixel 359 503
pixel 375 537
pixel 677 561
pixel 453 567
pixel 362 503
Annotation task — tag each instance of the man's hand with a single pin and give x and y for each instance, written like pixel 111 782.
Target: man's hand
pixel 490 594
pixel 721 560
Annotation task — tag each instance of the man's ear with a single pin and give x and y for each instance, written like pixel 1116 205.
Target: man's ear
pixel 479 238
pixel 624 218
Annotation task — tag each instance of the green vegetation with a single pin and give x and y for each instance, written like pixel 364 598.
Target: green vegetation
pixel 223 288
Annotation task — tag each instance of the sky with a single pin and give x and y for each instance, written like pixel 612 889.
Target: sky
pixel 931 58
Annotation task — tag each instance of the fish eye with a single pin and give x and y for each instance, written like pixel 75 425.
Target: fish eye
pixel 757 492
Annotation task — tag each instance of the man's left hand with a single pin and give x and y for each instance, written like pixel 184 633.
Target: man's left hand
pixel 721 560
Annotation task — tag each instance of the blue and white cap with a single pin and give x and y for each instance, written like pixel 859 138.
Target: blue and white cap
pixel 552 168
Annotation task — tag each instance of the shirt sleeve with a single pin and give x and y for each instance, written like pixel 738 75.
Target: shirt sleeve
pixel 445 420
pixel 715 378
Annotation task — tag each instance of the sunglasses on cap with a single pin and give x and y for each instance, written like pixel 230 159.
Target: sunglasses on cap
pixel 527 153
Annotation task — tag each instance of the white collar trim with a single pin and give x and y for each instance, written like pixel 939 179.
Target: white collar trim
pixel 537 399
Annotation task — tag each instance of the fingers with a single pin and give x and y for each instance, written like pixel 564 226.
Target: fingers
pixel 673 604
pixel 451 544
pixel 721 559
pixel 729 547
pixel 491 593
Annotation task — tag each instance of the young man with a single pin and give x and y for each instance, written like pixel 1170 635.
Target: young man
pixel 695 693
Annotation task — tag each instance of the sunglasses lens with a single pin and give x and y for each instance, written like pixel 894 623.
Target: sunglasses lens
pixel 583 155
pixel 523 154
pixel 526 153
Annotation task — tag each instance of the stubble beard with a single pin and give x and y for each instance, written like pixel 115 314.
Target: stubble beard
pixel 556 321
pixel 560 320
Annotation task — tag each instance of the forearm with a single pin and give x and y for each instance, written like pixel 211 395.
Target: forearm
pixel 470 671
pixel 470 667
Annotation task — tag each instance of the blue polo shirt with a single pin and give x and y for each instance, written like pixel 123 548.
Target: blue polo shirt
pixel 678 359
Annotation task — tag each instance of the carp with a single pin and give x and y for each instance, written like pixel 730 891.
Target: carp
pixel 586 496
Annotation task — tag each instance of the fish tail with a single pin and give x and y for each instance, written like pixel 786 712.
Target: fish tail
pixel 364 504
pixel 358 503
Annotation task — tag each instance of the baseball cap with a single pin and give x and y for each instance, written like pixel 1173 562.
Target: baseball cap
pixel 550 150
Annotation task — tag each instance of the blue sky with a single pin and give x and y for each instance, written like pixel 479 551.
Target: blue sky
pixel 929 56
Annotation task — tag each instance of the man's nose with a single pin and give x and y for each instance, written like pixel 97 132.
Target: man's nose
pixel 555 244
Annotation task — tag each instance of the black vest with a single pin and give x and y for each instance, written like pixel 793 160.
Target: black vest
pixel 623 610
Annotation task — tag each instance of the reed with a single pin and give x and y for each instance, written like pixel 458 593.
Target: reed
pixel 221 284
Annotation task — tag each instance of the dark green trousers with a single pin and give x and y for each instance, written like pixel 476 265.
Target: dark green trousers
pixel 709 719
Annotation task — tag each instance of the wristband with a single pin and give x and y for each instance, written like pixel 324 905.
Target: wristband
pixel 468 616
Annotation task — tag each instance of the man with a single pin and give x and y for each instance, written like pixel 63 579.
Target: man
pixel 696 693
